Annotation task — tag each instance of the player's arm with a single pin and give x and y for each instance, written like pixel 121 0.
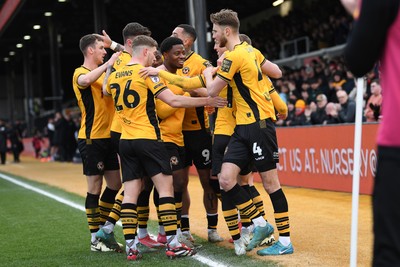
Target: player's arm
pixel 279 105
pixel 183 82
pixel 87 79
pixel 271 69
pixel 214 86
pixel 267 67
pixel 104 87
pixel 164 110
pixel 178 101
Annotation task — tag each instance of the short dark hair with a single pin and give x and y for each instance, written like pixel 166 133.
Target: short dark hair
pixel 88 40
pixel 168 43
pixel 189 30
pixel 244 38
pixel 226 17
pixel 134 29
pixel 144 40
pixel 376 81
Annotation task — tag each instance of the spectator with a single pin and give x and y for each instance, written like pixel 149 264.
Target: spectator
pixel 372 110
pixel 3 142
pixel 315 89
pixel 60 127
pixel 300 117
pixel 305 95
pixel 290 117
pixel 332 113
pixel 350 84
pixel 347 111
pixel 320 75
pixel 319 115
pixel 335 85
pixel 284 93
pixel 16 142
pixel 294 93
pixel 50 135
pixel 37 141
pixel 69 141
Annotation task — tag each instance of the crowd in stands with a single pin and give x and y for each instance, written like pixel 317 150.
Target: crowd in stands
pixel 61 131
pixel 326 25
pixel 324 91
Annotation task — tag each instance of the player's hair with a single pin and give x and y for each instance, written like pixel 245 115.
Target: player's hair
pixel 376 81
pixel 244 38
pixel 189 30
pixel 134 29
pixel 226 17
pixel 143 40
pixel 88 40
pixel 168 43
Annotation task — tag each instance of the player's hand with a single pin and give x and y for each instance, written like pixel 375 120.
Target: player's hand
pixel 313 106
pixel 350 5
pixel 106 39
pixel 210 110
pixel 113 58
pixel 209 71
pixel 148 71
pixel 220 59
pixel 282 116
pixel 217 102
pixel 307 112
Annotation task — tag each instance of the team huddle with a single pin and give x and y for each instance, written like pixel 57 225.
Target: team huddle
pixel 149 105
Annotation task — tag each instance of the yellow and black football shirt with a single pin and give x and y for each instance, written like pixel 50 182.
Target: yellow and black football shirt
pixel 241 69
pixel 171 119
pixel 134 99
pixel 195 118
pixel 97 110
pixel 268 85
pixel 226 119
pixel 121 61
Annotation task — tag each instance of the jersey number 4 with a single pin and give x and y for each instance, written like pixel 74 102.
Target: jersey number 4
pixel 257 149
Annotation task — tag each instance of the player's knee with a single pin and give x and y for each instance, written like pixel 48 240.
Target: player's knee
pixel 271 185
pixel 226 183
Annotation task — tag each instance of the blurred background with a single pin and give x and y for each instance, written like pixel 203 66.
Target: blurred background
pixel 39 44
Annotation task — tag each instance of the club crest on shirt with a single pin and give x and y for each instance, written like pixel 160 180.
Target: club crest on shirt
pixel 207 64
pixel 174 160
pixel 155 79
pixel 185 70
pixel 100 166
pixel 226 65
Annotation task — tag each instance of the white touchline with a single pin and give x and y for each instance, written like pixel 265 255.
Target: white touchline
pixel 202 259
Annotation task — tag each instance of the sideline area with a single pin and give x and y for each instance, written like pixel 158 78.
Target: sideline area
pixel 320 220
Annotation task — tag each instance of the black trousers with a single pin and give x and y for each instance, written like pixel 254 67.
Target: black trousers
pixel 386 208
pixel 3 157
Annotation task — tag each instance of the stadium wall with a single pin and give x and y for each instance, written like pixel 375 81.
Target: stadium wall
pixel 321 157
pixel 318 157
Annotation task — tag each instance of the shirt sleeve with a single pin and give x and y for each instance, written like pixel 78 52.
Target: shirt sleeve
pixel 229 66
pixel 183 82
pixel 78 72
pixel 155 84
